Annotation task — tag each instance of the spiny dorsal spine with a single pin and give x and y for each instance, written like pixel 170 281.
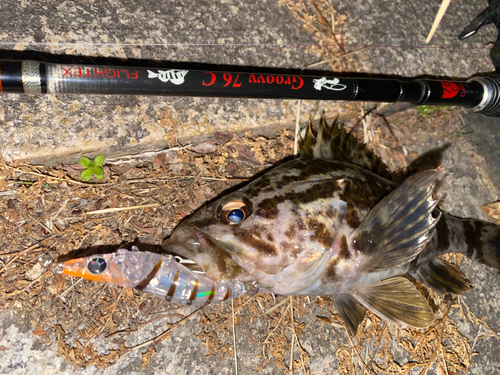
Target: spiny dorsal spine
pixel 335 143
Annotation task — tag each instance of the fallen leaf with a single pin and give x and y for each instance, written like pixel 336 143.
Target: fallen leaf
pixel 57 285
pixel 245 154
pixel 204 148
pixel 231 169
pixel 223 137
pixel 73 168
pixel 128 292
pixel 492 210
pixel 201 195
pixel 146 230
pixel 324 319
pixel 160 161
pixel 35 272
pixel 171 138
pixel 71 354
pixel 40 332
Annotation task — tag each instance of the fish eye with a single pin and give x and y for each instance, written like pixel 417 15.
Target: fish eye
pixel 235 216
pixel 97 265
pixel 235 212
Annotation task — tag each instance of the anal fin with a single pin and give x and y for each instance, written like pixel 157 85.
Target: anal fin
pixel 442 276
pixel 396 300
pixel 351 311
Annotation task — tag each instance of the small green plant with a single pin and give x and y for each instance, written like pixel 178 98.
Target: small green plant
pixel 428 111
pixel 92 167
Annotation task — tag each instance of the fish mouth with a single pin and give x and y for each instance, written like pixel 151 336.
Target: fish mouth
pixel 182 253
pixel 202 253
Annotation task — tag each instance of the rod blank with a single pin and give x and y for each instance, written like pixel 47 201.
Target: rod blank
pixel 34 77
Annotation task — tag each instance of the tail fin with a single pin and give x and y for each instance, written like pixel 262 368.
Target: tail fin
pixel 477 239
pixel 483 242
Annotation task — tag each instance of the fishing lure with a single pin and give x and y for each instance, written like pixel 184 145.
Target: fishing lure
pixel 163 276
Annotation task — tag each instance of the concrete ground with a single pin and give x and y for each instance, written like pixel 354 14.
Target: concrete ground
pixel 60 128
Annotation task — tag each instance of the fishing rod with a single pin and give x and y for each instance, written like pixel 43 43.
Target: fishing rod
pixel 481 93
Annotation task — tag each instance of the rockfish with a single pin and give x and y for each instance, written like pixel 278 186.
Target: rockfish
pixel 327 223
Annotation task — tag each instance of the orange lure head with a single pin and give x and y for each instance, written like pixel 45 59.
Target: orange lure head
pixel 124 268
pixel 95 268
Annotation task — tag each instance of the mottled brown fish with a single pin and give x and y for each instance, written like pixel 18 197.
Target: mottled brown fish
pixel 329 224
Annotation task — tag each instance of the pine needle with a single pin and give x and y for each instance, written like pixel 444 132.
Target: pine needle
pixel 115 209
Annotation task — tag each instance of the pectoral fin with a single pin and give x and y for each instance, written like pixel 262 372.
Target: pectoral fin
pixel 396 300
pixel 351 311
pixel 442 276
pixel 396 230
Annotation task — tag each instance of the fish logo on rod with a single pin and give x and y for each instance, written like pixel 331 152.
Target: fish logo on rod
pixel 175 76
pixel 329 84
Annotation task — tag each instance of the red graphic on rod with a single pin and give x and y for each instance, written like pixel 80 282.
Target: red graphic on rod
pixel 212 79
pixel 294 82
pixel 228 78
pixel 450 90
pixel 99 72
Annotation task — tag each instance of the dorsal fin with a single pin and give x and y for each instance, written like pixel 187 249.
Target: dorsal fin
pixel 335 143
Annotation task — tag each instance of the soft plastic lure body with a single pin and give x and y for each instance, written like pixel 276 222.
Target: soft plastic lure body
pixel 160 275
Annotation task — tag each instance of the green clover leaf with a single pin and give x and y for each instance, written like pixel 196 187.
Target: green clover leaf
pixel 99 160
pixel 92 167
pixel 98 173
pixel 86 175
pixel 85 162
